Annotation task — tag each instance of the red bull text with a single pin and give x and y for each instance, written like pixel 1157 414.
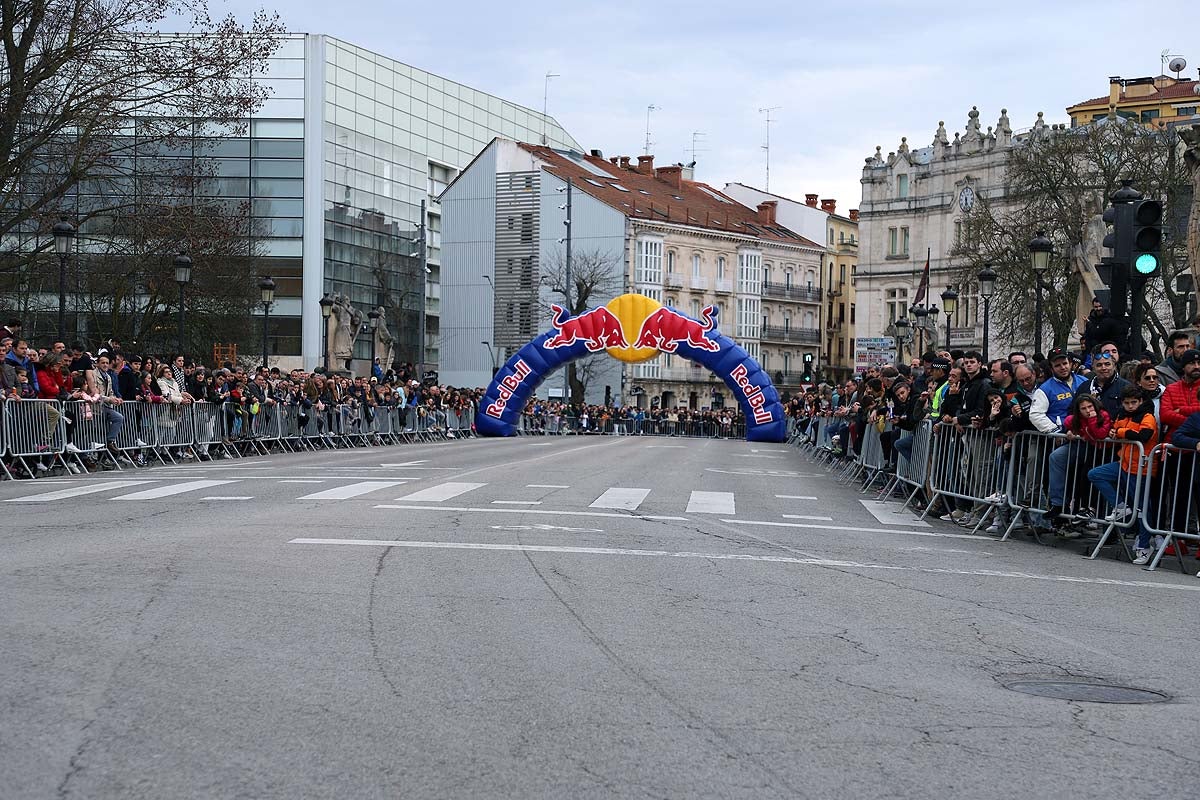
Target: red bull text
pixel 508 385
pixel 666 328
pixel 753 394
pixel 598 329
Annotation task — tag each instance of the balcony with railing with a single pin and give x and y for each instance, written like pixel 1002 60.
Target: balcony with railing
pixel 673 280
pixel 804 294
pixel 783 333
pixel 699 283
pixel 724 285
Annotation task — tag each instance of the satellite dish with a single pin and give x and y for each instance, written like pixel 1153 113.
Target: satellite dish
pixel 1177 65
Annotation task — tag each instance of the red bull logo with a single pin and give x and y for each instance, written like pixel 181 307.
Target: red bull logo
pixel 598 328
pixel 508 385
pixel 753 394
pixel 666 328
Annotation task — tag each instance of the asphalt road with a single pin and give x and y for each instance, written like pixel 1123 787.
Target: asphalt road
pixel 579 617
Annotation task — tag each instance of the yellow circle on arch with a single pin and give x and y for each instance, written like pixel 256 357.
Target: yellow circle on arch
pixel 632 310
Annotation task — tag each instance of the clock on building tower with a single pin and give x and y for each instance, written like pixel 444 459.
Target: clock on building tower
pixel 966 199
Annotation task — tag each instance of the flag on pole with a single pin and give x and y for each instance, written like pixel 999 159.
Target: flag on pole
pixel 923 287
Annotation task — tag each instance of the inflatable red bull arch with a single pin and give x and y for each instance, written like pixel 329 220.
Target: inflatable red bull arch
pixel 632 328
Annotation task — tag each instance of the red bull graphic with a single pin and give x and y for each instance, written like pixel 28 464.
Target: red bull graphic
pixel 666 328
pixel 506 387
pixel 659 330
pixel 598 329
pixel 753 394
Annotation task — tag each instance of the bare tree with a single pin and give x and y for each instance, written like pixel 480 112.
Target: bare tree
pixel 88 89
pixel 1059 181
pixel 1191 137
pixel 594 274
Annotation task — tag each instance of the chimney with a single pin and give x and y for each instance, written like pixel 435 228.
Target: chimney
pixel 810 200
pixel 614 160
pixel 766 212
pixel 623 162
pixel 854 215
pixel 672 176
pixel 1114 90
pixel 597 154
pixel 645 165
pixel 828 206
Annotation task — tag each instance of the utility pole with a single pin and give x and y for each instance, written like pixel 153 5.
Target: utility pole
pixel 767 145
pixel 649 108
pixel 545 102
pixel 567 287
pixel 424 255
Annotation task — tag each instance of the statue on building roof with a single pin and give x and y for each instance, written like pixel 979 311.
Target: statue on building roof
pixel 903 145
pixel 1039 128
pixel 1003 130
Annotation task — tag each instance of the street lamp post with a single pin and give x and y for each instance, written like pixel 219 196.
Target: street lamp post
pixel 64 240
pixel 987 290
pixel 183 276
pixel 373 317
pixel 949 306
pixel 267 287
pixel 491 357
pixel 903 335
pixel 326 310
pixel 921 313
pixel 1040 250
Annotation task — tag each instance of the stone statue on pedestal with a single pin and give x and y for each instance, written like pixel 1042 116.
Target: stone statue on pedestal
pixel 384 341
pixel 343 326
pixel 1191 157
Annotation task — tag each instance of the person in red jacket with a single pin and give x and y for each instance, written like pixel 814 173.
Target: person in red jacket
pixel 1180 400
pixel 1089 421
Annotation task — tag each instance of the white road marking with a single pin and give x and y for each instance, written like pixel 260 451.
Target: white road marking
pixel 754 455
pixel 546 486
pixel 752 450
pixel 173 489
pixel 815 562
pixel 543 444
pixel 767 473
pixel 398 466
pixel 303 480
pixel 543 527
pixel 801 516
pixel 853 529
pixel 616 497
pixel 518 502
pixel 795 497
pixel 407 463
pixel 666 447
pixel 441 492
pixel 228 497
pixel 490 510
pixel 350 490
pixel 711 503
pixel 66 494
pixel 891 514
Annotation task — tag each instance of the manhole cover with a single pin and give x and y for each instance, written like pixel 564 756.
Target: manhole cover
pixel 1086 691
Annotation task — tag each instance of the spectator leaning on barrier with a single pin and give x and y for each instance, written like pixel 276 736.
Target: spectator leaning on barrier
pixel 1053 398
pixel 1117 481
pixel 1179 399
pixel 18 358
pixel 1170 369
pixel 1145 377
pixel 109 399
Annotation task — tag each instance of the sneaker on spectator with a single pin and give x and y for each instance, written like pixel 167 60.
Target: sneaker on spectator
pixel 73 468
pixel 42 467
pixel 139 443
pixel 958 515
pixel 71 448
pixel 96 446
pixel 1142 556
pixel 994 499
pixel 1119 514
pixel 994 528
pixel 1069 533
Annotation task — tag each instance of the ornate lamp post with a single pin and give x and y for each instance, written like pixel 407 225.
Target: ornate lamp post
pixel 183 276
pixel 326 311
pixel 267 287
pixel 921 313
pixel 64 241
pixel 1040 250
pixel 949 306
pixel 903 336
pixel 987 290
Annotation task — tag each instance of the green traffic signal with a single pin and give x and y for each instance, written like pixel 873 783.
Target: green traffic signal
pixel 1146 264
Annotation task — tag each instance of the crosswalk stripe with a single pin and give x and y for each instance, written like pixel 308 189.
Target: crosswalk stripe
pixel 173 489
pixel 350 490
pixel 77 491
pixel 710 503
pixel 616 497
pixel 795 497
pixel 441 492
pixel 890 514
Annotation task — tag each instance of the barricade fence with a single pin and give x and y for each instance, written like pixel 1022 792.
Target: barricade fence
pixel 1112 491
pixel 37 436
pixel 546 424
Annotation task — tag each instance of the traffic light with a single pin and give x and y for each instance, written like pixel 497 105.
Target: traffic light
pixel 808 364
pixel 1146 235
pixel 1117 240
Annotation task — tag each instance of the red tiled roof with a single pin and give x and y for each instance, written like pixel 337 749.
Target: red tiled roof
pixel 662 197
pixel 1182 90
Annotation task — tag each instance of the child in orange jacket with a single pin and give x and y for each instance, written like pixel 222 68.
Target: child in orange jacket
pixel 1118 480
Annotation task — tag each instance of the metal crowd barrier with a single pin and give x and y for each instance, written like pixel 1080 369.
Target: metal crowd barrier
pixel 966 464
pixel 34 432
pixel 1171 500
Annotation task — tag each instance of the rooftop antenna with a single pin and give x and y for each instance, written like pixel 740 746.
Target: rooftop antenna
pixel 545 102
pixel 649 108
pixel 695 148
pixel 767 145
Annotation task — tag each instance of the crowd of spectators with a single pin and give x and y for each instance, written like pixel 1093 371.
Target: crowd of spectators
pixel 108 378
pixel 1099 403
pixel 556 417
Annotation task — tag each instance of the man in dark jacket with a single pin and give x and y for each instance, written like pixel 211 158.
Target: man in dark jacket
pixel 1105 383
pixel 974 388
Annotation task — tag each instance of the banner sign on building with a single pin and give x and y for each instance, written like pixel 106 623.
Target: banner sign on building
pixel 873 352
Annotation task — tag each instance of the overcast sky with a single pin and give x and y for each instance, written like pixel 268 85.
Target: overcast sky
pixel 846 77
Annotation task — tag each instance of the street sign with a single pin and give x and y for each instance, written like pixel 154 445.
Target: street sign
pixel 874 352
pixel 962 337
